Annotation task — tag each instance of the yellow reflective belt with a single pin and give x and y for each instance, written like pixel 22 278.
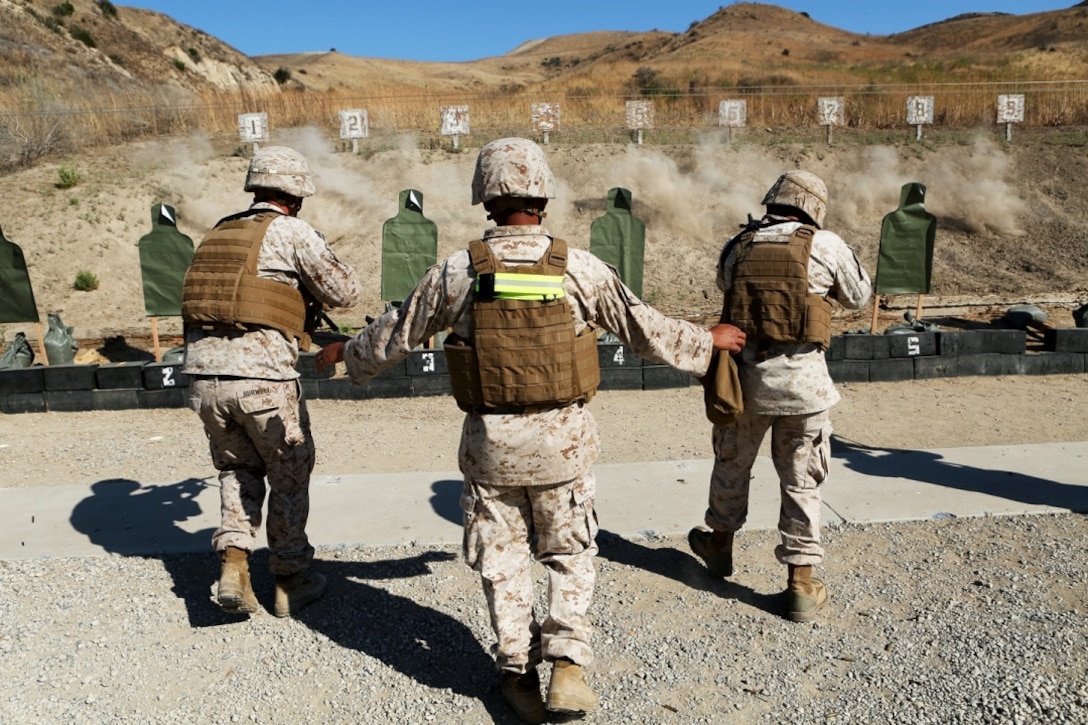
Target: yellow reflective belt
pixel 514 286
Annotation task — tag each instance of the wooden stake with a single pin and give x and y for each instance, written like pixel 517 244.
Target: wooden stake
pixel 155 338
pixel 876 308
pixel 41 344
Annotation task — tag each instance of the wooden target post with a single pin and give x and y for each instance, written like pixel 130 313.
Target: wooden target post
pixel 732 114
pixel 919 113
pixel 454 122
pixel 544 118
pixel 830 112
pixel 1010 110
pixel 354 125
pixel 640 115
pixel 253 128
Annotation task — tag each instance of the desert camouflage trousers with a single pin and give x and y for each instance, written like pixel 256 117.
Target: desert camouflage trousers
pixel 258 432
pixel 506 527
pixel 801 451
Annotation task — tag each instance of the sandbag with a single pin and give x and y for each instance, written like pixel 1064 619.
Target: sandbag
pixel 18 355
pixel 60 345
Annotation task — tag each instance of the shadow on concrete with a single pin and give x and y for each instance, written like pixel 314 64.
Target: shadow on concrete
pixel 929 467
pixel 446 500
pixel 124 517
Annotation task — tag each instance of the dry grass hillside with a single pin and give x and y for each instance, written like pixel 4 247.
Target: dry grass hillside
pixel 93 45
pixel 745 44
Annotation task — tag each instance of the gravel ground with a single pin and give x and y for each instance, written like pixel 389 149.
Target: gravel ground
pixel 947 621
pixel 952 621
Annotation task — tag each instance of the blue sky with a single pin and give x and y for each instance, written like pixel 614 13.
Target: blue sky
pixel 458 31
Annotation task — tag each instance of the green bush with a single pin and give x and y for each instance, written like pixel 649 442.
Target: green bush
pixel 85 281
pixel 82 36
pixel 67 176
pixel 63 9
pixel 108 9
pixel 282 75
pixel 179 64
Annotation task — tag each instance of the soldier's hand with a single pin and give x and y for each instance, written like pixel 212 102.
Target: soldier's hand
pixel 329 355
pixel 728 337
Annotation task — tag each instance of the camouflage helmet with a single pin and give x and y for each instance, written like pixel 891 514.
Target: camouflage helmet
pixel 512 167
pixel 801 190
pixel 282 169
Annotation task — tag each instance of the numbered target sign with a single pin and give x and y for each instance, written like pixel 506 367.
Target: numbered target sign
pixel 640 115
pixel 253 127
pixel 920 110
pixel 1010 109
pixel 545 117
pixel 733 114
pixel 454 120
pixel 354 124
pixel 830 111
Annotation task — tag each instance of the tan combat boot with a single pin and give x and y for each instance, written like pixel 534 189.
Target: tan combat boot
pixel 522 694
pixel 805 594
pixel 235 591
pixel 715 548
pixel 568 691
pixel 295 591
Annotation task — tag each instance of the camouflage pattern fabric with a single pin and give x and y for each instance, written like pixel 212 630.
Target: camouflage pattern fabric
pixel 792 378
pixel 512 167
pixel 533 468
pixel 801 451
pixel 788 390
pixel 280 168
pixel 292 253
pixel 500 522
pixel 258 431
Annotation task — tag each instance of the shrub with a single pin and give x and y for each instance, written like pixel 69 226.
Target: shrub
pixel 64 9
pixel 85 281
pixel 107 8
pixel 67 176
pixel 282 75
pixel 179 64
pixel 82 36
pixel 194 54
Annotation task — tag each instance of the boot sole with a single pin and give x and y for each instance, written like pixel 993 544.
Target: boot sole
pixel 235 604
pixel 808 615
pixel 569 709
